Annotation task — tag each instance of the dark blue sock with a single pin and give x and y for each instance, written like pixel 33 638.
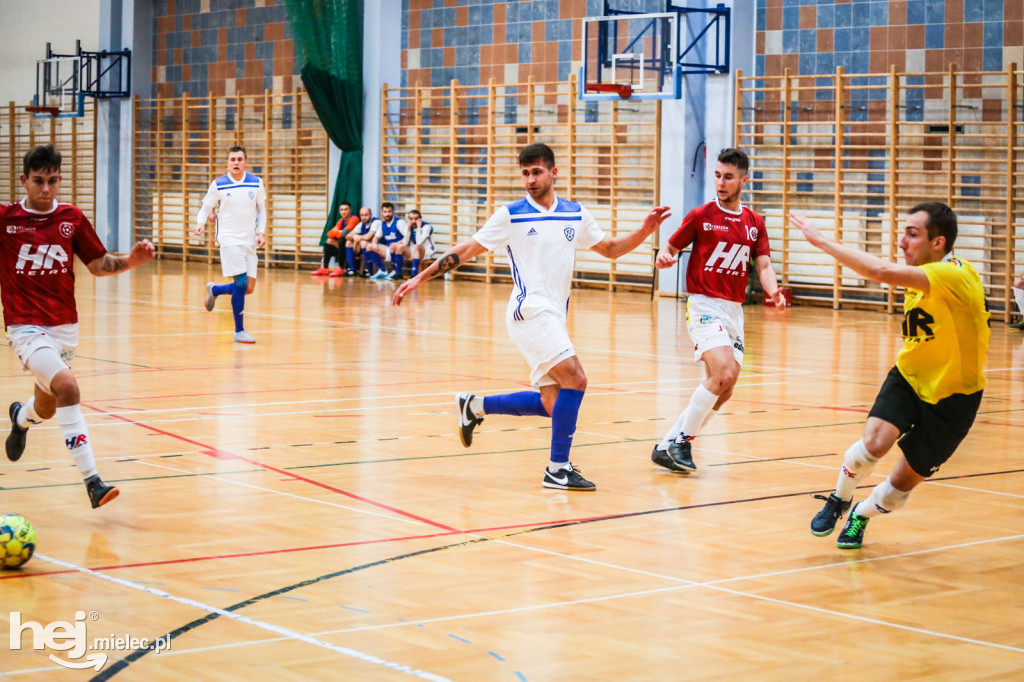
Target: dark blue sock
pixel 398 260
pixel 563 422
pixel 238 303
pixel 350 256
pixel 223 289
pixel 415 266
pixel 374 258
pixel 522 404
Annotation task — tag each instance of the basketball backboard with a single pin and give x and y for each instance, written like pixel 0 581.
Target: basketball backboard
pixel 63 81
pixel 630 56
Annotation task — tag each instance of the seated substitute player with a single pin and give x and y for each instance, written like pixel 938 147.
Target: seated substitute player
pixel 335 236
pixel 241 222
pixel 419 240
pixel 357 240
pixel 725 235
pixel 929 400
pixel 541 233
pixel 39 238
pixel 386 244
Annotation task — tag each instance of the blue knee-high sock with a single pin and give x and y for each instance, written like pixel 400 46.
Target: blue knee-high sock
pixel 223 289
pixel 415 266
pixel 350 256
pixel 398 260
pixel 522 404
pixel 374 258
pixel 238 300
pixel 563 422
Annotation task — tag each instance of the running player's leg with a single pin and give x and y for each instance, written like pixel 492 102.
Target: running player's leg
pixel 57 394
pixel 563 400
pixel 937 433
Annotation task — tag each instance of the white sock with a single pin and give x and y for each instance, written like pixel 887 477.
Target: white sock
pixel 1018 295
pixel 477 405
pixel 857 466
pixel 672 432
pixel 711 415
pixel 701 403
pixel 555 467
pixel 882 500
pixel 76 438
pixel 27 416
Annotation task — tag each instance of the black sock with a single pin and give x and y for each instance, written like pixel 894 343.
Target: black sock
pixel 329 251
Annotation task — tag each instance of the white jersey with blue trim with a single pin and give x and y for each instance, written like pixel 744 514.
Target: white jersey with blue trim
pixel 242 213
pixel 541 247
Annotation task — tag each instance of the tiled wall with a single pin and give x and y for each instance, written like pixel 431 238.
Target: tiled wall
pixel 222 47
pixel 474 40
pixel 871 36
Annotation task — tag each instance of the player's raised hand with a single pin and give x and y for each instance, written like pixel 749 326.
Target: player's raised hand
pixel 141 252
pixel 805 225
pixel 656 217
pixel 665 259
pixel 261 240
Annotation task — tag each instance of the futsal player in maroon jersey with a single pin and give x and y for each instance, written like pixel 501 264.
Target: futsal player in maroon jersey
pixel 39 237
pixel 725 236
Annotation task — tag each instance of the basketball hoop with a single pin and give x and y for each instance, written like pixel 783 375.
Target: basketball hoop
pixel 42 111
pixel 623 90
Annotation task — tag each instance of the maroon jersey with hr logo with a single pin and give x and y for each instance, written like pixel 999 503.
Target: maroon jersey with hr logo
pixel 37 278
pixel 723 244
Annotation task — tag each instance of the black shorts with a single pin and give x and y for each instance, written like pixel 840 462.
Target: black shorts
pixel 929 433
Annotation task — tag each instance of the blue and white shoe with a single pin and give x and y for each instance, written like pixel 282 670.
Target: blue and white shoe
pixel 380 274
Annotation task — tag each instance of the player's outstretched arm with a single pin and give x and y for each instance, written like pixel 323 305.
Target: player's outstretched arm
pixel 666 257
pixel 613 247
pixel 451 259
pixel 769 281
pixel 109 264
pixel 865 264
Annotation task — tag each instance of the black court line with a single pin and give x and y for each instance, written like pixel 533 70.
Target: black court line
pixel 771 459
pixel 199 622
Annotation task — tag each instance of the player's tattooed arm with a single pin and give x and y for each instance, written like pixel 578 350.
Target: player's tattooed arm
pixel 111 264
pixel 447 262
pixel 451 259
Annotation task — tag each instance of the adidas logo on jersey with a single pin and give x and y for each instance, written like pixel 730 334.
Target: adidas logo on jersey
pixel 531 232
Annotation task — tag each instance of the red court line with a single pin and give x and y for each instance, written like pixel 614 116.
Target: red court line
pixel 224 454
pixel 213 557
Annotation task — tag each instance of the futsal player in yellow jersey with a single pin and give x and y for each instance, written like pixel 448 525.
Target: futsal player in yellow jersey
pixel 930 398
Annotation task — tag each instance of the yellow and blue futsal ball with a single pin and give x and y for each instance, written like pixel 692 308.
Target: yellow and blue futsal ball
pixel 17 540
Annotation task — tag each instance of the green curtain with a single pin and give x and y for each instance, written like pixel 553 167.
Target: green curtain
pixel 329 37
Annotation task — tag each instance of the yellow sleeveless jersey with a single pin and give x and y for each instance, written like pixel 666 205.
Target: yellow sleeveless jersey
pixel 945 332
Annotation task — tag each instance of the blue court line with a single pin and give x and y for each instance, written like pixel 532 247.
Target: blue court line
pixel 352 608
pixel 496 656
pixel 521 676
pixel 143 582
pixel 220 589
pixel 460 639
pixel 293 598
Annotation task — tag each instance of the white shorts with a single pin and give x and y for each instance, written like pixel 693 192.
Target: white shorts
pixel 714 322
pixel 428 249
pixel 239 260
pixel 543 341
pixel 44 351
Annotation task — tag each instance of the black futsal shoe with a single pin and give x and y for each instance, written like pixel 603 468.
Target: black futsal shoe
pixel 16 440
pixel 99 492
pixel 681 455
pixel 824 522
pixel 566 479
pixel 663 459
pixel 852 536
pixel 467 418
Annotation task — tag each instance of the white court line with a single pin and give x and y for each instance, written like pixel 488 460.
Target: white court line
pixel 687 584
pixel 289 634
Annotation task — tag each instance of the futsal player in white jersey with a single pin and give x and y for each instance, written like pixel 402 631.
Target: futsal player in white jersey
pixel 241 224
pixel 541 233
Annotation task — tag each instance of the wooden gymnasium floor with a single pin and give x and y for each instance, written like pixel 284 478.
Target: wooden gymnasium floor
pixel 302 508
